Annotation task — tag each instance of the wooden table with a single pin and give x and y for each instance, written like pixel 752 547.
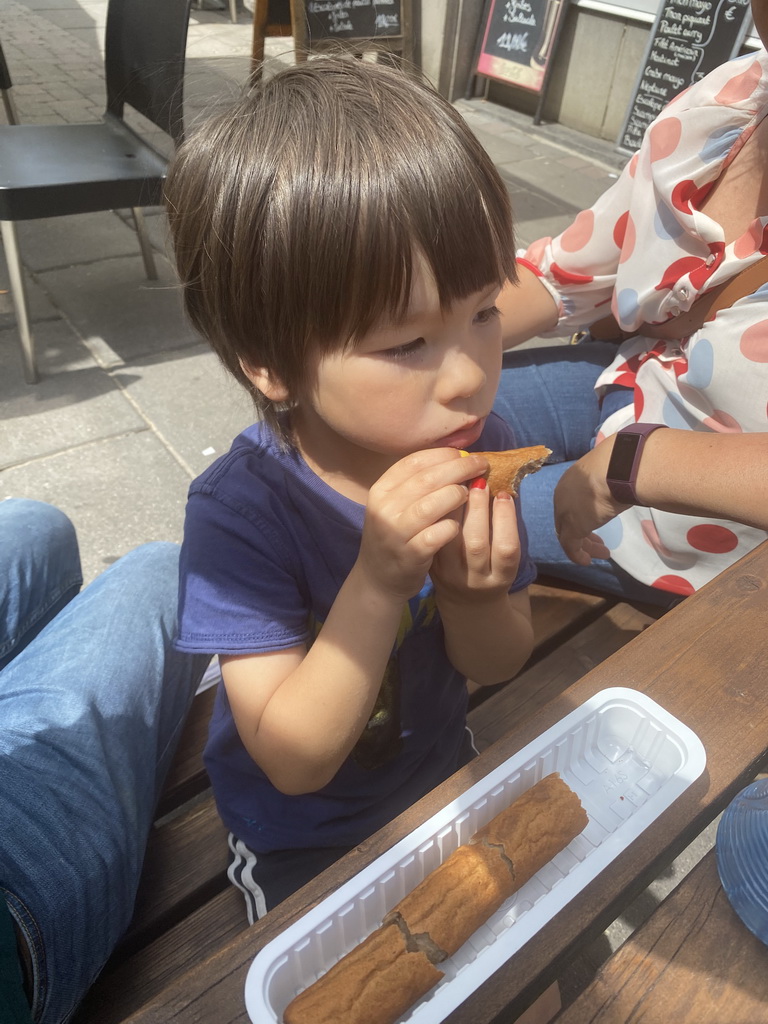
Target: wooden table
pixel 706 662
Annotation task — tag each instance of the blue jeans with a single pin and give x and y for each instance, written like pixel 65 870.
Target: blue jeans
pixel 92 700
pixel 547 396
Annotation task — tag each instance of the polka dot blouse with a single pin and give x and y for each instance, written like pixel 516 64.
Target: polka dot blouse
pixel 645 251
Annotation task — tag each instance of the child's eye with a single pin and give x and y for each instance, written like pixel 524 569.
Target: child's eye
pixel 486 315
pixel 403 351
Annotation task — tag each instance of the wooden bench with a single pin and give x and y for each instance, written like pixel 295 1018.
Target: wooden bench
pixel 186 906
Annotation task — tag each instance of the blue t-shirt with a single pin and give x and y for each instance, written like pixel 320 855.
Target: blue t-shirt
pixel 267 546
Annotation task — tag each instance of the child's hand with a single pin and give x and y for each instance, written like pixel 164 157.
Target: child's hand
pixel 484 557
pixel 410 517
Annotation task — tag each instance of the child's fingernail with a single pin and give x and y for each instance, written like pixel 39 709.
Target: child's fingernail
pixel 479 484
pixel 504 496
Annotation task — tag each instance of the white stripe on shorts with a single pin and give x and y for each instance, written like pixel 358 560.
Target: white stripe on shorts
pixel 240 874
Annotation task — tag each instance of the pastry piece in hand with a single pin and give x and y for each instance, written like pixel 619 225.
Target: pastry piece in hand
pixel 508 468
pixel 455 899
pixel 375 983
pixel 536 827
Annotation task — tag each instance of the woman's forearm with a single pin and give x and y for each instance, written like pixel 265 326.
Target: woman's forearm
pixel 706 474
pixel 527 308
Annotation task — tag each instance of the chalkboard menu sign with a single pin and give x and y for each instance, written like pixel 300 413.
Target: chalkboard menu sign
pixel 353 19
pixel 688 39
pixel 355 25
pixel 518 40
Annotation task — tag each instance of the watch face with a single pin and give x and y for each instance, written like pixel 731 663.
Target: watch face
pixel 623 456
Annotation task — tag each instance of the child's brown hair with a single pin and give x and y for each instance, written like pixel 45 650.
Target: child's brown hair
pixel 297 215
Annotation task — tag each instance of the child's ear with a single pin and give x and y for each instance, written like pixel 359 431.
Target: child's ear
pixel 265 382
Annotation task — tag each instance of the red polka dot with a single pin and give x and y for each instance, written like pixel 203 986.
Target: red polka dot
pixel 682 194
pixel 632 165
pixel 639 403
pixel 651 536
pixel 566 277
pixel 754 342
pixel 624 235
pixel 663 137
pixel 750 241
pixel 740 87
pixel 674 584
pixel 722 422
pixel 577 235
pixel 537 250
pixel 692 266
pixel 717 540
pixel 686 195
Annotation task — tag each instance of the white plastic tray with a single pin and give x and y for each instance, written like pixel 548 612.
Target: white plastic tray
pixel 625 757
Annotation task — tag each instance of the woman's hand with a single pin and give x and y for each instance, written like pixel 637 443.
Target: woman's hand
pixel 483 559
pixel 583 503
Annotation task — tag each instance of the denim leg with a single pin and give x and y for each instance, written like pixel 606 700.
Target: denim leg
pixel 39 570
pixel 90 713
pixel 547 396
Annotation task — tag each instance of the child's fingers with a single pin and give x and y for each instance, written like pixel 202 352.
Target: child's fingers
pixel 505 539
pixel 476 528
pixel 430 470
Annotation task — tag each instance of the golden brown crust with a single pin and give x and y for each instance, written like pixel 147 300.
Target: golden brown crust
pixel 536 827
pixel 379 980
pixel 375 983
pixel 456 898
pixel 507 469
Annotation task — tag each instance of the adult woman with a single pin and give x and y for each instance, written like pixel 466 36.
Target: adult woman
pixel 688 214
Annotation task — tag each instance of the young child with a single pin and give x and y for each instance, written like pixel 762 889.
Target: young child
pixel 341 238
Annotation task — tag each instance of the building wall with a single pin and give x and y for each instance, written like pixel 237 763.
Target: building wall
pixel 594 69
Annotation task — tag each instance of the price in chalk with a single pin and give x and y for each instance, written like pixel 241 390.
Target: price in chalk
pixel 688 40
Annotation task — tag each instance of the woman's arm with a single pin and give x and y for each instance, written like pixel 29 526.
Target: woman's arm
pixel 689 472
pixel 527 308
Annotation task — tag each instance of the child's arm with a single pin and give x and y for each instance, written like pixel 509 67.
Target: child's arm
pixel 299 713
pixel 488 631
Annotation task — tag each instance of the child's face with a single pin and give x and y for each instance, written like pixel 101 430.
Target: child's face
pixel 425 383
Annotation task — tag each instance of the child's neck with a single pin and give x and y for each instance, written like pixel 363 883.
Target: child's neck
pixel 347 467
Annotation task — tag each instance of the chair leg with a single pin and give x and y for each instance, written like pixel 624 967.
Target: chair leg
pixel 19 294
pixel 145 245
pixel 233 11
pixel 10 107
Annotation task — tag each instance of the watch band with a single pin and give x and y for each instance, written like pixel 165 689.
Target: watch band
pixel 625 460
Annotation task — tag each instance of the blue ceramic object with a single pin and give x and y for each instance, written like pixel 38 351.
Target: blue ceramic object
pixel 742 856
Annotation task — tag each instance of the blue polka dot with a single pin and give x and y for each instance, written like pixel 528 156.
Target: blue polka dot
pixel 701 362
pixel 665 223
pixel 673 414
pixel 627 305
pixel 719 144
pixel 611 533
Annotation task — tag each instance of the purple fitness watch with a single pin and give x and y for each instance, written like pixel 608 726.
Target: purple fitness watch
pixel 625 460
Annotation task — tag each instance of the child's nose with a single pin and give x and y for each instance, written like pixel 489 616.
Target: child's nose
pixel 462 376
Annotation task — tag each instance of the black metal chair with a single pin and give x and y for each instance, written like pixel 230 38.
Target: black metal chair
pixel 56 170
pixel 5 87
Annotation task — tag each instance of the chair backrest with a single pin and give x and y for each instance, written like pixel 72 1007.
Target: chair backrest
pixel 145 50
